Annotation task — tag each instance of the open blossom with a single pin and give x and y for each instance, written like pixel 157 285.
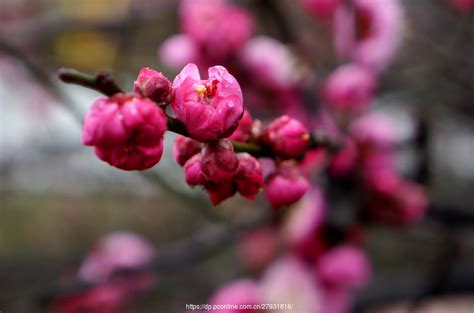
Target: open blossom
pixel 269 61
pixel 345 266
pixel 178 50
pixel 248 177
pixel 350 88
pixel 126 131
pixel 287 137
pixel 209 109
pixel 219 162
pixel 154 85
pixel 321 8
pixel 244 291
pixel 184 148
pixel 218 26
pixel 285 186
pixel 370 34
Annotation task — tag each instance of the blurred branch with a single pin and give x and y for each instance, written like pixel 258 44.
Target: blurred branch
pixel 101 82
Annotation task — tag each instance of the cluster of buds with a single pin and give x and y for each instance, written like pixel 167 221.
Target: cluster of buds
pixel 127 131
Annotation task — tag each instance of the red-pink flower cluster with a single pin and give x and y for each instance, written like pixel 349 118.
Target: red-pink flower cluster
pixel 127 132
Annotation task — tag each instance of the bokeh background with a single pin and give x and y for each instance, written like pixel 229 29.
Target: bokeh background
pixel 57 198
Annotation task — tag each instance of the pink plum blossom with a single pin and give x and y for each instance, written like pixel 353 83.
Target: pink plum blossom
pixel 269 61
pixel 184 148
pixel 289 281
pixel 209 109
pixel 126 131
pixel 287 137
pixel 370 33
pixel 350 88
pixel 178 50
pixel 116 251
pixel 154 85
pixel 257 247
pixel 321 8
pixel 218 26
pixel 304 222
pixel 374 129
pixel 244 291
pixel 219 162
pixel 345 266
pixel 248 178
pixel 285 186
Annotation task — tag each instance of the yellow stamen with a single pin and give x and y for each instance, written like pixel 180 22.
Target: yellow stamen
pixel 201 89
pixel 305 137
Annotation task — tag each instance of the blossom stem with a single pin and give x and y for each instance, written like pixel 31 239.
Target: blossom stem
pixel 102 81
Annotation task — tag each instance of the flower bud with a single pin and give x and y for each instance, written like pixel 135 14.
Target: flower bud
pixel 219 162
pixel 244 130
pixel 286 186
pixel 248 178
pixel 126 131
pixel 209 109
pixel 288 137
pixel 184 148
pixel 192 171
pixel 219 192
pixel 154 85
pixel 350 88
pixel 344 267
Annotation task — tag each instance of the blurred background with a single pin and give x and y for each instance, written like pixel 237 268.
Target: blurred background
pixel 57 198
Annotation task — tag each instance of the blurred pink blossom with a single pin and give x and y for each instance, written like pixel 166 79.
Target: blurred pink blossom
pixel 257 248
pixel 269 61
pixel 370 33
pixel 463 5
pixel 244 291
pixel 216 25
pixel 344 266
pixel 289 281
pixel 374 129
pixel 350 88
pixel 178 50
